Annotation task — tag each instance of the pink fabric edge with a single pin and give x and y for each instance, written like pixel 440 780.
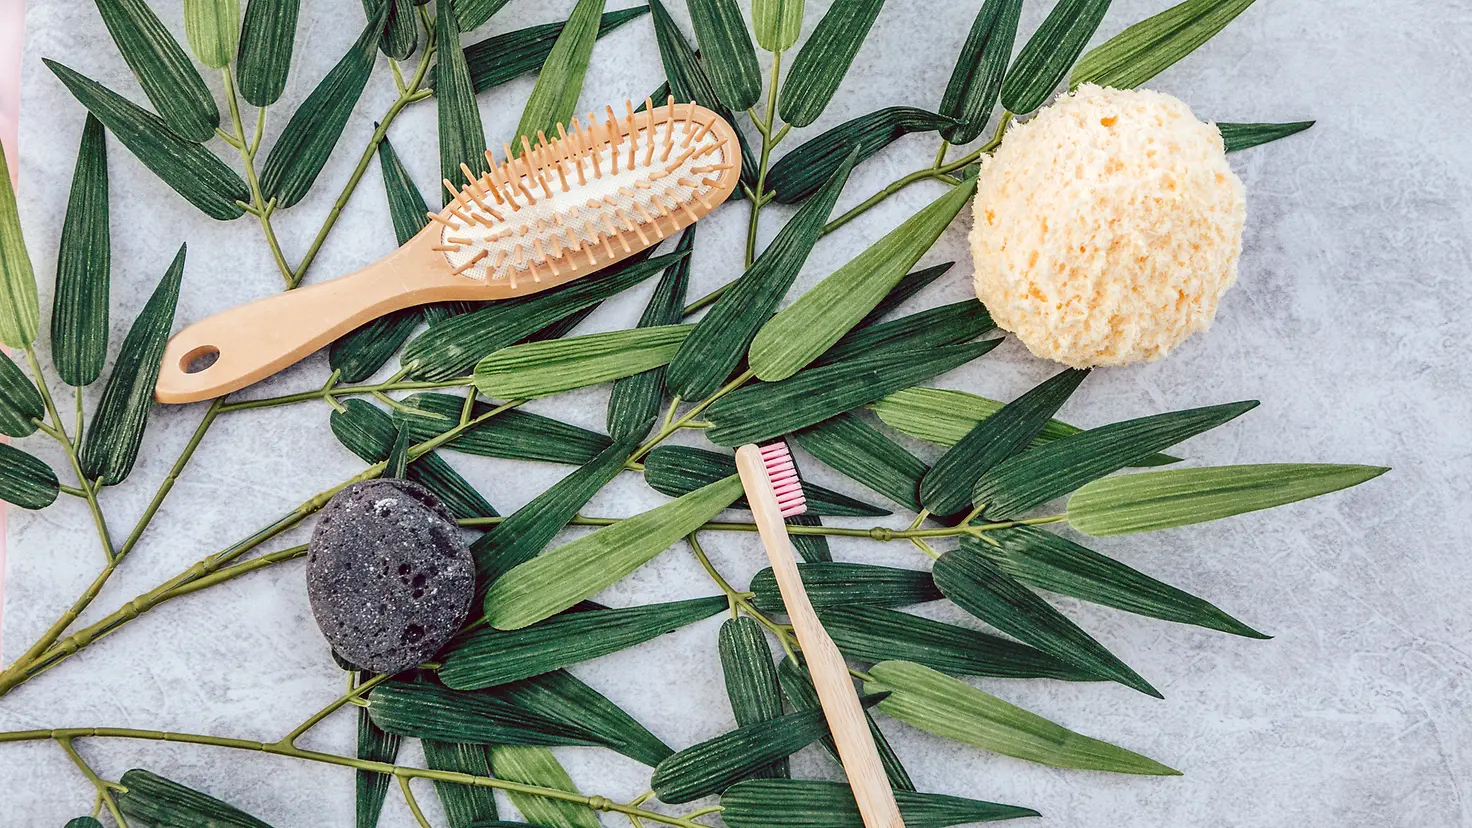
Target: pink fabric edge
pixel 12 28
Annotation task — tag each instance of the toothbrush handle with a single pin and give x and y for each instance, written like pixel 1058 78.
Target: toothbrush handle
pixel 825 663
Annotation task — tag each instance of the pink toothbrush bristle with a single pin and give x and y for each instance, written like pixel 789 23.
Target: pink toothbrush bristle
pixel 783 474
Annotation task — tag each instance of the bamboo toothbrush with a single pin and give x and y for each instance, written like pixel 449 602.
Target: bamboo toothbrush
pixel 561 209
pixel 774 491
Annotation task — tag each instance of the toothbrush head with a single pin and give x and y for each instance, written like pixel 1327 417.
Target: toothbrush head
pixel 782 471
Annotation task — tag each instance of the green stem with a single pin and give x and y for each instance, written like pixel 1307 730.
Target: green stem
pixel 58 432
pixel 104 788
pixel 312 721
pixel 689 416
pixel 329 392
pixel 173 476
pixel 412 802
pixel 769 141
pixel 258 202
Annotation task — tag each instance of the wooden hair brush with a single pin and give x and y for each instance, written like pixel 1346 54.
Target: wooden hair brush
pixel 561 209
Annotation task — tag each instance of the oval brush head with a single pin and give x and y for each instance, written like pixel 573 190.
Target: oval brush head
pixel 592 194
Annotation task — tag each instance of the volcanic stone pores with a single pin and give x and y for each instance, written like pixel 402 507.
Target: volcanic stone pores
pixel 389 578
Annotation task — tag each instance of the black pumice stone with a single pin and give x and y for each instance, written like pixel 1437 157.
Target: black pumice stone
pixel 388 575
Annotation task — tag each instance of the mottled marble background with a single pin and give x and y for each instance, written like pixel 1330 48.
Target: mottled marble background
pixel 1349 323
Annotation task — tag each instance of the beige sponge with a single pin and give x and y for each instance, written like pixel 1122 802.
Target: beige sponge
pixel 1107 227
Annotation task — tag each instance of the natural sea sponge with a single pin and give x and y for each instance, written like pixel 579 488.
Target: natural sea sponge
pixel 1107 227
pixel 389 577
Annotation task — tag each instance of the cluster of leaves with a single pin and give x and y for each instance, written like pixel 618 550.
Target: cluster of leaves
pixel 817 372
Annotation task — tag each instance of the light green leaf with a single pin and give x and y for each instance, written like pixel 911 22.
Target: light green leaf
pixel 20 402
pixel 466 806
pixel 150 799
pixel 213 30
pixel 1180 497
pixel 1038 475
pixel 800 173
pixel 776 23
pixel 820 317
pixel 1044 61
pixel 163 70
pixel 462 136
pixel 193 171
pixel 538 766
pixel 948 707
pixel 20 314
pixel 116 431
pixel 1147 48
pixel 977 78
pixel 721 32
pixel 267 38
pixel 809 803
pixel 83 266
pixel 1243 136
pixel 824 59
pixel 561 577
pixel 538 369
pixel 554 98
pixel 26 481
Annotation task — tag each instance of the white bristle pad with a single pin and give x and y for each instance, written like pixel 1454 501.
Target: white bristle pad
pixel 544 232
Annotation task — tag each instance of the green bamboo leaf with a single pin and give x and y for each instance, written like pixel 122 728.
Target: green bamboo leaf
pixel 466 806
pixel 370 433
pixel 874 634
pixel 1147 48
pixel 561 577
pixel 462 135
pixel 1044 61
pixel 678 470
pixel 944 417
pixel 800 173
pixel 20 402
pixel 977 78
pixel 914 282
pixel 947 488
pixel 150 799
pixel 981 588
pixel 1057 468
pixel 26 481
pixel 856 449
pixel 1244 136
pixel 945 325
pixel 948 707
pixel 487 657
pixel 301 151
pixel 554 98
pixel 83 266
pixel 523 535
pixel 191 170
pixel 83 822
pixel 111 443
pixel 213 30
pixel 510 435
pixel 358 355
pixel 400 26
pixel 508 56
pixel 474 13
pixel 842 584
pixel 824 59
pixel 561 697
pixel 820 317
pixel 721 338
pixel 540 369
pixel 1046 561
pixel 267 38
pixel 798 687
pixel 811 548
pixel 716 764
pixel 751 682
pixel 1180 497
pixel 397 467
pixel 539 767
pixel 423 710
pixel 809 803
pixel 21 313
pixel 452 348
pixel 721 32
pixel 634 403
pixel 776 23
pixel 163 69
pixel 371 788
pixel 689 82
pixel 760 412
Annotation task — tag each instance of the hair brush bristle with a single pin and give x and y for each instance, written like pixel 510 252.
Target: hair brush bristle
pixel 589 196
pixel 782 471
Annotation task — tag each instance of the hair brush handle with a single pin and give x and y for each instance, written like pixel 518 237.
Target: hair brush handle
pixel 825 663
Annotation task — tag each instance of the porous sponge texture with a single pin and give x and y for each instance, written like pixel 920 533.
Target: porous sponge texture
pixel 1107 227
